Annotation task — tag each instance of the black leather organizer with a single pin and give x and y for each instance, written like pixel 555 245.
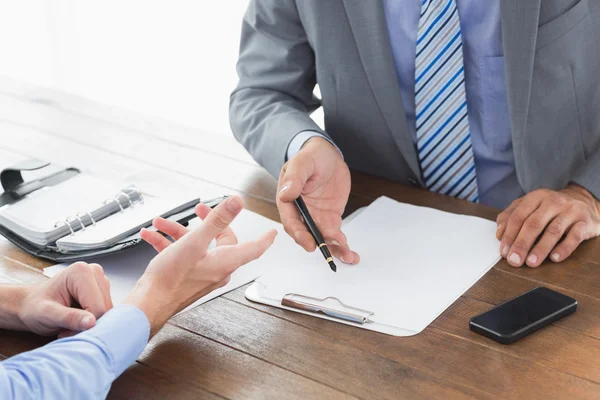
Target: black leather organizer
pixel 16 189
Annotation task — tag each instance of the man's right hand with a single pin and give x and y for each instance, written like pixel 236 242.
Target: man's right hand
pixel 318 173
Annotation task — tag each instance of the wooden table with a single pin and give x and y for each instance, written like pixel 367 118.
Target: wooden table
pixel 232 348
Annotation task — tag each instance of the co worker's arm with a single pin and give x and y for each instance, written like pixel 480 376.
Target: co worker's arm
pixel 84 366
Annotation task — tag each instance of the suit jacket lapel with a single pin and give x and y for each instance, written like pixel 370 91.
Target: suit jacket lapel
pixel 519 33
pixel 368 25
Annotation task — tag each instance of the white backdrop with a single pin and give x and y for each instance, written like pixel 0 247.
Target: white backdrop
pixel 173 59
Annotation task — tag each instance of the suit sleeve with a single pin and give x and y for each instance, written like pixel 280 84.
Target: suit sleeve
pixel 276 68
pixel 588 175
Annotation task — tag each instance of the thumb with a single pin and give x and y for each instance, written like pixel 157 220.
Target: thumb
pixel 69 318
pixel 294 175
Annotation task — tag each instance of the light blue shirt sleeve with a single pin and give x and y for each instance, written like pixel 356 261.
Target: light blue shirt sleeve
pixel 80 367
pixel 301 138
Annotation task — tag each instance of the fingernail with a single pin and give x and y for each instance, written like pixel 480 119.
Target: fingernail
pixel 514 259
pixel 346 261
pixel 86 322
pixel 335 243
pixel 233 205
pixel 555 257
pixel 285 187
pixel 498 230
pixel 504 251
pixel 532 259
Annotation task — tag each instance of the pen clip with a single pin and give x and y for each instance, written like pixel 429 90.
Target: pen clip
pixel 312 305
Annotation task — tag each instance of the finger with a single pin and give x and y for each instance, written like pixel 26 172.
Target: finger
pixel 344 254
pixel 103 284
pixel 338 246
pixel 292 179
pixel 552 235
pixel 577 234
pixel 107 288
pixel 155 239
pixel 227 236
pixel 532 228
pixel 82 286
pixel 171 228
pixel 502 218
pixel 293 226
pixel 230 258
pixel 214 223
pixel 515 222
pixel 202 210
pixel 294 175
pixel 224 281
pixel 68 318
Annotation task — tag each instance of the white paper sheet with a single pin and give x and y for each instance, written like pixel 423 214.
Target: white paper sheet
pixel 124 269
pixel 415 262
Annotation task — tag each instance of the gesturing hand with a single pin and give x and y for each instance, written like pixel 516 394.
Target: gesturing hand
pixel 47 308
pixel 321 176
pixel 533 227
pixel 186 270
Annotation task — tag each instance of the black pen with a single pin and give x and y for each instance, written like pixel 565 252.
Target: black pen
pixel 314 231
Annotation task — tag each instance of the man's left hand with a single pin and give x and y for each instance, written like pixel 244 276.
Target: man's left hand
pixel 52 307
pixel 547 223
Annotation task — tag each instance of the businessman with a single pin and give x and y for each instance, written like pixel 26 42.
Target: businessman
pixel 84 365
pixel 493 101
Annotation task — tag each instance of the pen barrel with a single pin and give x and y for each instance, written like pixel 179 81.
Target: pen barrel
pixel 314 231
pixel 325 251
pixel 310 223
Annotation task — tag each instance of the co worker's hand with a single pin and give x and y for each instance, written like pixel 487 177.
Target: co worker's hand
pixel 547 223
pixel 70 302
pixel 318 173
pixel 186 270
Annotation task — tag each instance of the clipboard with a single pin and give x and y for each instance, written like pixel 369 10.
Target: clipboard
pixel 394 296
pixel 329 308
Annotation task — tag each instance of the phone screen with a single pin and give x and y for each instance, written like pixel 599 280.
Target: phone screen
pixel 523 311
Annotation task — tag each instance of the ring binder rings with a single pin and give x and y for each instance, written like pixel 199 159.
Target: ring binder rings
pixel 80 221
pixel 317 306
pixel 92 221
pixel 65 222
pixel 89 215
pixel 127 197
pixel 116 201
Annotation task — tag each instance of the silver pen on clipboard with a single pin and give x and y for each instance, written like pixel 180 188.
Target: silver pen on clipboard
pixel 309 304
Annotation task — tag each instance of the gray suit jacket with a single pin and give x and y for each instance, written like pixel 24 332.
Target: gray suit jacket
pixel 552 57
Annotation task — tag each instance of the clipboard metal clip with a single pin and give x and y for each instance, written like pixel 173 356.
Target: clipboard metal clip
pixel 317 306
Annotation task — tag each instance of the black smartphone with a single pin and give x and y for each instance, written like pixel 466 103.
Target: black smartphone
pixel 523 315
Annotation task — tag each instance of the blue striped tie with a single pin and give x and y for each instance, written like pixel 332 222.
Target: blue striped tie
pixel 443 136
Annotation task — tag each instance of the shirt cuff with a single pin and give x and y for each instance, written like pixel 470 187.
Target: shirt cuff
pixel 298 141
pixel 125 331
pixel 5 390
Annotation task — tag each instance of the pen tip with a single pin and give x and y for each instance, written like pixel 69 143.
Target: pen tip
pixel 332 266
